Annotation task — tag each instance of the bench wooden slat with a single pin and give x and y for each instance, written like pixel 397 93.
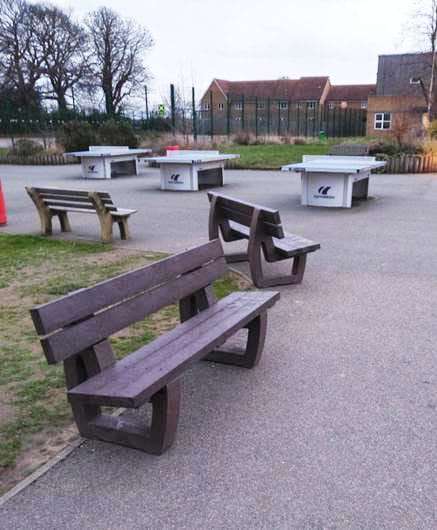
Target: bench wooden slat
pixel 78 337
pixel 134 379
pixel 70 198
pixel 289 246
pixel 274 230
pixel 73 192
pixel 246 208
pixel 67 205
pixel 70 308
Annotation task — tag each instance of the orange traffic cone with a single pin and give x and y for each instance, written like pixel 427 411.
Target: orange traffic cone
pixel 3 217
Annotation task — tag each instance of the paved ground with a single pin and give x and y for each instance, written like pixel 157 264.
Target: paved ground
pixel 337 427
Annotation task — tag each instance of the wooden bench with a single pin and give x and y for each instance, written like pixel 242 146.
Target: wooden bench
pixel 54 202
pixel 75 328
pixel 262 227
pixel 349 150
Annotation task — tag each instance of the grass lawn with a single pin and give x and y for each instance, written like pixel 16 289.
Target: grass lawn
pixel 271 156
pixel 35 418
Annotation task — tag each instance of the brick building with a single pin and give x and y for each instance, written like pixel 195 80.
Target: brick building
pixel 399 102
pixel 276 96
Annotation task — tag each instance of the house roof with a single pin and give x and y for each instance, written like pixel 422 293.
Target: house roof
pixel 350 92
pixel 303 89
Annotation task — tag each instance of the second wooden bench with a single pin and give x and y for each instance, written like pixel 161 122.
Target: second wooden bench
pixel 55 202
pixel 263 229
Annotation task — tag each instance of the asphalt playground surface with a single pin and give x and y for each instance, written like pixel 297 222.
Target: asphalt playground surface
pixel 337 426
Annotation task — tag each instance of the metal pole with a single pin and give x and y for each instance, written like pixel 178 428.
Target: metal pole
pixel 211 115
pixel 279 118
pixel 228 114
pixel 268 117
pixel 288 117
pixel 173 108
pixel 256 117
pixel 73 98
pixel 194 114
pixel 147 102
pixel 242 112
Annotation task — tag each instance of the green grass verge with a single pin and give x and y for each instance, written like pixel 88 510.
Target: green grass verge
pixel 35 270
pixel 271 156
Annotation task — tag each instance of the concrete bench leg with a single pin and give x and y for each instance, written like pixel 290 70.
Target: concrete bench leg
pixel 64 222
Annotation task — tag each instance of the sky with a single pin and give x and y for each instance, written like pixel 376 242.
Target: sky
pixel 196 41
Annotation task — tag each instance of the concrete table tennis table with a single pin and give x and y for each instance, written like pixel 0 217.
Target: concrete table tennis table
pixel 184 170
pixel 105 162
pixel 333 181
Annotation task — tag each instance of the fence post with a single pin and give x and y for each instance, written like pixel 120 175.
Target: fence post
pixel 242 112
pixel 306 120
pixel 193 101
pixel 228 114
pixel 211 115
pixel 288 118
pixel 298 120
pixel 268 116
pixel 256 117
pixel 279 117
pixel 173 108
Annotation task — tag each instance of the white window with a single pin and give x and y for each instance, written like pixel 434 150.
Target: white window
pixel 343 105
pixel 237 118
pixel 221 106
pixel 283 104
pixel 260 105
pixel 311 104
pixel 331 106
pixel 238 106
pixel 383 120
pixel 364 104
pixel 299 105
pixel 206 106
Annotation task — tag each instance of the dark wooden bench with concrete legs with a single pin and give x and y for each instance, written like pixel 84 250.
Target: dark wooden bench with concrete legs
pixel 75 329
pixel 54 202
pixel 262 227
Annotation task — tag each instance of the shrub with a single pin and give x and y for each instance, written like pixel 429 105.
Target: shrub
pixel 117 132
pixel 300 141
pixel 243 139
pixel 25 147
pixel 155 123
pixel 432 129
pixel 76 135
pixel 392 147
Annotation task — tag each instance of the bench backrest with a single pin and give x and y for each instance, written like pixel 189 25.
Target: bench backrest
pixel 84 318
pixel 349 149
pixel 84 199
pixel 228 208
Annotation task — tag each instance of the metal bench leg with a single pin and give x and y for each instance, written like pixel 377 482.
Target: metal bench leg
pixel 64 222
pixel 251 356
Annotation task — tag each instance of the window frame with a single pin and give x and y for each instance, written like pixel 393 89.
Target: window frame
pixel 382 120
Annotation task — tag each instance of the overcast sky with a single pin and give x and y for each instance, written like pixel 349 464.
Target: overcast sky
pixel 197 40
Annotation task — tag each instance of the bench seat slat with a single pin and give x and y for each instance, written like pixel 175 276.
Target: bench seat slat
pixel 131 381
pixel 289 246
pixel 70 198
pixel 274 230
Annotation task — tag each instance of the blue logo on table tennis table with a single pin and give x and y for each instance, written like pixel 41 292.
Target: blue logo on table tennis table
pixel 174 179
pixel 324 190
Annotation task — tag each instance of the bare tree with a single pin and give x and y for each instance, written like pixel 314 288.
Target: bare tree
pixel 425 24
pixel 19 58
pixel 118 48
pixel 62 47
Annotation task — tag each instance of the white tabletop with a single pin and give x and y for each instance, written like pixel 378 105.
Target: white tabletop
pixel 108 151
pixel 191 157
pixel 335 164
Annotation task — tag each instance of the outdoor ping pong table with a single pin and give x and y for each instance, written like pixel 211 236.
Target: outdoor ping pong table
pixel 186 170
pixel 105 162
pixel 333 181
